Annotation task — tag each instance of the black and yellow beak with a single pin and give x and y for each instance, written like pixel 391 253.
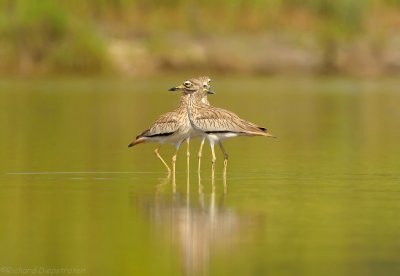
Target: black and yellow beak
pixel 181 87
pixel 177 88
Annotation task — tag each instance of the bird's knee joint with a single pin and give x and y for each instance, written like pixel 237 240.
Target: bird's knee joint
pixel 174 159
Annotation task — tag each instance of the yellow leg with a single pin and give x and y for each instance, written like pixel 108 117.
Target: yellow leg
pixel 174 162
pixel 162 160
pixel 199 181
pixel 200 153
pixel 188 154
pixel 187 162
pixel 212 152
pixel 225 157
pixel 225 185
pixel 173 185
pixel 198 168
pixel 173 168
pixel 213 165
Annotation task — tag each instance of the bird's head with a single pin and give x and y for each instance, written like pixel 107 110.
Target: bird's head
pixel 200 84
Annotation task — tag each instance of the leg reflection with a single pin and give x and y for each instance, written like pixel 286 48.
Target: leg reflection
pixel 173 184
pixel 200 153
pixel 163 183
pixel 199 227
pixel 213 181
pixel 213 165
pixel 225 157
pixel 174 161
pixel 225 185
pixel 199 182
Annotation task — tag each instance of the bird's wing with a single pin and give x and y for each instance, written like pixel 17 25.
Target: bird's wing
pixel 214 120
pixel 165 125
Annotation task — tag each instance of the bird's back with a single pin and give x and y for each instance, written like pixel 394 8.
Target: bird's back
pixel 212 119
pixel 166 125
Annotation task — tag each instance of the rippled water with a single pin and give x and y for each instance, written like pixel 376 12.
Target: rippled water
pixel 322 199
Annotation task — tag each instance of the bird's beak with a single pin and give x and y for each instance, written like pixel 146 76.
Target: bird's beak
pixel 177 88
pixel 210 92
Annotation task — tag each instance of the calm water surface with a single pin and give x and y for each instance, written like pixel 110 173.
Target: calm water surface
pixel 322 199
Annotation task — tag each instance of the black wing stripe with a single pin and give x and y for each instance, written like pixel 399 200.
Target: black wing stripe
pixel 160 134
pixel 222 131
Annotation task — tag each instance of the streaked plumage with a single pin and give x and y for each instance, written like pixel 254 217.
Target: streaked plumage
pixel 201 96
pixel 196 117
pixel 172 127
pixel 218 123
pixel 221 122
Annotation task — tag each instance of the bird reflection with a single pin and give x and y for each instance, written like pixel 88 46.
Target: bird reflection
pixel 198 224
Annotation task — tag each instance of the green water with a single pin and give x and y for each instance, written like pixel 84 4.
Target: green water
pixel 322 199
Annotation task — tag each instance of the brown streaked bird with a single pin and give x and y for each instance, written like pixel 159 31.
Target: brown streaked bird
pixel 218 124
pixel 199 95
pixel 202 96
pixel 172 127
pixel 194 86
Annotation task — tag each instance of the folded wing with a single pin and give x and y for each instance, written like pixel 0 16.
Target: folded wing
pixel 218 120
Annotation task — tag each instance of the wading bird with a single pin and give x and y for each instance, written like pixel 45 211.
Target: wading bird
pixel 172 127
pixel 215 123
pixel 199 94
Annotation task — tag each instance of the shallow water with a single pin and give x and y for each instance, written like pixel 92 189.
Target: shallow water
pixel 322 199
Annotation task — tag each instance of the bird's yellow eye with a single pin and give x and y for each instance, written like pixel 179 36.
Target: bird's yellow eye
pixel 187 84
pixel 205 85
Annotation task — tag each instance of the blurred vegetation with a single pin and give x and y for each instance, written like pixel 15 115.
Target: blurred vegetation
pixel 47 37
pixel 50 36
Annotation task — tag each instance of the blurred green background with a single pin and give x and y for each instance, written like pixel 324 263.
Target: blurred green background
pixel 80 79
pixel 141 37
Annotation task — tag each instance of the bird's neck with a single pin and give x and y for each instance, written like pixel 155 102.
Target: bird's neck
pixel 199 98
pixel 195 103
pixel 184 99
pixel 190 108
pixel 194 99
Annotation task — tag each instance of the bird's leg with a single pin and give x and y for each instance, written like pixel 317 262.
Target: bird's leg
pixel 213 164
pixel 173 166
pixel 200 153
pixel 187 162
pixel 173 185
pixel 225 157
pixel 188 154
pixel 174 161
pixel 225 185
pixel 199 182
pixel 212 153
pixel 162 160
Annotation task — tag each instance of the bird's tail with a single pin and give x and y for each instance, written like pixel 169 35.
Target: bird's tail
pixel 137 141
pixel 263 132
pixel 267 134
